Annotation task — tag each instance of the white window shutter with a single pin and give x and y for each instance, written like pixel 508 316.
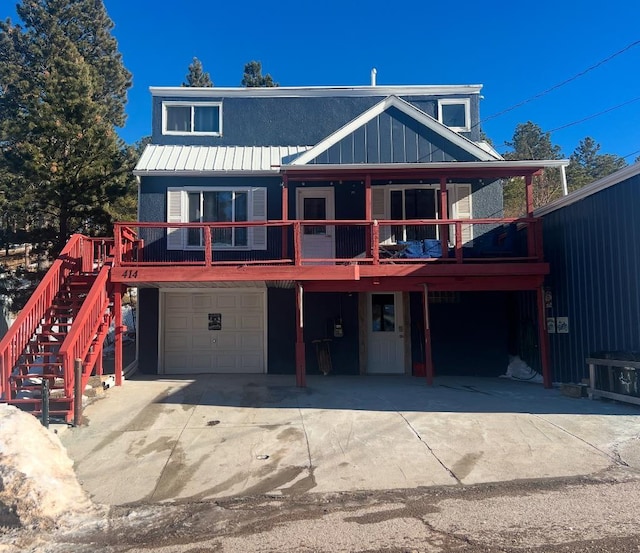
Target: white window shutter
pixel 379 198
pixel 258 235
pixel 462 209
pixel 175 236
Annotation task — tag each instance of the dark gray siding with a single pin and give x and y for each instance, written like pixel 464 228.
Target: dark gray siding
pixel 594 252
pixel 287 121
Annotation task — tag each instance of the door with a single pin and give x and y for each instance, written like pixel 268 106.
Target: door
pixel 315 204
pixel 386 333
pixel 214 332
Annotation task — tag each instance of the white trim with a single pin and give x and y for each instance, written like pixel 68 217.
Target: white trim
pixel 191 105
pixel 466 102
pixel 161 306
pixel 436 165
pixel 314 91
pixel 407 109
pixel 586 191
pixel 208 173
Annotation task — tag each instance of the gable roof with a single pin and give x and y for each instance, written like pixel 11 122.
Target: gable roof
pixel 411 111
pixel 209 160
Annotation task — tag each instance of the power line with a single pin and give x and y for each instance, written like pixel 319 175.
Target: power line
pixel 593 116
pixel 566 81
pixel 631 154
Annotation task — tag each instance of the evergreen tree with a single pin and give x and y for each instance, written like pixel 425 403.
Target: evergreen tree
pixel 587 165
pixel 63 91
pixel 253 76
pixel 196 75
pixel 530 142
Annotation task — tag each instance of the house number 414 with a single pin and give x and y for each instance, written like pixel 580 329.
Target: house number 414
pixel 129 273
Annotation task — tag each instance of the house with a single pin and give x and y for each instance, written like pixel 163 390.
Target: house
pixel 593 294
pixel 299 230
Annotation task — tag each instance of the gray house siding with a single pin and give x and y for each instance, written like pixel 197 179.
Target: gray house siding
pixel 592 247
pixel 286 121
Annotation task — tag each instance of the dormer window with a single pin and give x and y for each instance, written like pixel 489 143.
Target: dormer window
pixel 192 118
pixel 455 113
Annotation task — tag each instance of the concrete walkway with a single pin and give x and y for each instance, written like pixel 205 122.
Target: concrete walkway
pixel 202 437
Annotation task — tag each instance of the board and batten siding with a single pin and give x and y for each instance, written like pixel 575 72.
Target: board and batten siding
pixel 594 254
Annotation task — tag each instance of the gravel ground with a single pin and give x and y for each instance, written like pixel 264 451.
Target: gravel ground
pixel 593 514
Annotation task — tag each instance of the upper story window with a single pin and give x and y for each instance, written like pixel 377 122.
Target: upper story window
pixel 203 118
pixel 455 113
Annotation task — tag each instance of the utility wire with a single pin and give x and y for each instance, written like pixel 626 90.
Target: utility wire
pixel 593 116
pixel 566 81
pixel 631 154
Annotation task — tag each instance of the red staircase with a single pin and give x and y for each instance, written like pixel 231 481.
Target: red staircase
pixel 66 318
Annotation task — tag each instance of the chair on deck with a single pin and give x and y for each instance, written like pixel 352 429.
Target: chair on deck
pixel 504 242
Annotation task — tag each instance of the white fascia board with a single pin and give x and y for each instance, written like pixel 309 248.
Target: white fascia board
pixel 364 167
pixel 207 173
pixel 315 91
pixel 407 109
pixel 601 184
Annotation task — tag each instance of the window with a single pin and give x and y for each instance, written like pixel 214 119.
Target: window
pixel 200 118
pixel 455 114
pixel 383 313
pixel 217 205
pixel 413 203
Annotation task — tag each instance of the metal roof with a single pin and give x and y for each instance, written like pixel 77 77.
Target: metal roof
pixel 204 160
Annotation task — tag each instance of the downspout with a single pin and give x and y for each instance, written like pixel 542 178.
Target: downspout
pixel 563 175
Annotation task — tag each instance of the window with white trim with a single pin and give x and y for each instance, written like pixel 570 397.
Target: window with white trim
pixel 455 113
pixel 217 205
pixel 201 118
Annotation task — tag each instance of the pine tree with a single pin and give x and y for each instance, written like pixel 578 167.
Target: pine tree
pixel 197 76
pixel 587 165
pixel 63 91
pixel 530 142
pixel 253 76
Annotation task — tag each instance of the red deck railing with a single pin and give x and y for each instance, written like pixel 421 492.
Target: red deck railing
pixel 374 242
pixel 81 254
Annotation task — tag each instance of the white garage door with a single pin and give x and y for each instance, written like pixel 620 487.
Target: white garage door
pixel 214 332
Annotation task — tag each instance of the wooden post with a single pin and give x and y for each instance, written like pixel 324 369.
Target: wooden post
pixel 285 215
pixel 458 227
pixel 375 242
pixel 117 307
pixel 428 357
pixel 543 338
pixel 300 350
pixel 529 193
pixel 77 392
pixel 208 253
pixel 444 214
pixel 368 210
pixel 297 243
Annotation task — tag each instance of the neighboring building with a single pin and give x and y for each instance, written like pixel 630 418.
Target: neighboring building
pixel 591 243
pixel 278 223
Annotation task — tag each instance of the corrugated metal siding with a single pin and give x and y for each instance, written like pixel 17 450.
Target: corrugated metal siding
pixel 216 158
pixel 594 252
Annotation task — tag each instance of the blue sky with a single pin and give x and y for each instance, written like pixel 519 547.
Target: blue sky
pixel 516 52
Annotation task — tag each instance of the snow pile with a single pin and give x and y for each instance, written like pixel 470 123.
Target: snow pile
pixel 38 487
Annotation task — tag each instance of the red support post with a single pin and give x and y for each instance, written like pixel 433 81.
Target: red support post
pixel 208 253
pixel 375 242
pixel 368 210
pixel 117 307
pixel 529 193
pixel 428 356
pixel 297 243
pixel 543 338
pixel 444 214
pixel 285 214
pixel 300 350
pixel 458 242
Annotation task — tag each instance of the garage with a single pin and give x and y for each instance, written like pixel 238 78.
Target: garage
pixel 213 331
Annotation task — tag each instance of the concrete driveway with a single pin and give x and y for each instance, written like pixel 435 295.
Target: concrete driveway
pixel 202 437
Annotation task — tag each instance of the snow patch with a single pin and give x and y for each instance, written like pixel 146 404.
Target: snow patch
pixel 38 487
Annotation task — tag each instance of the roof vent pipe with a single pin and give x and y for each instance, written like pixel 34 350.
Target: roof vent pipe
pixel 373 76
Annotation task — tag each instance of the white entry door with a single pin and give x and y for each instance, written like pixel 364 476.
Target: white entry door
pixel 314 204
pixel 386 333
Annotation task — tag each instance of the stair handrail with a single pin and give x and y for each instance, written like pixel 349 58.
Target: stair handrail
pixel 84 329
pixel 12 345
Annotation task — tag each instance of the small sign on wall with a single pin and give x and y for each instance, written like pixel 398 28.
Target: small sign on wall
pixel 548 299
pixel 215 321
pixel 551 325
pixel 562 325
